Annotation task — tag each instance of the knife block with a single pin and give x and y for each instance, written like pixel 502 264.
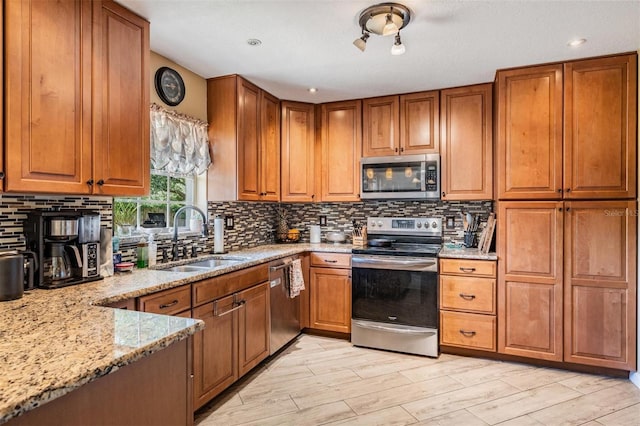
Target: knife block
pixel 360 240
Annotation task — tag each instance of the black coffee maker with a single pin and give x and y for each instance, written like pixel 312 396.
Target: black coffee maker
pixel 66 244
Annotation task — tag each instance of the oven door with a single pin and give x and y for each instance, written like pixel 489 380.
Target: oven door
pixel 395 290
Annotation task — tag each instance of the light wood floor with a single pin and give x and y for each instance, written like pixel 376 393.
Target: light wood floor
pixel 319 380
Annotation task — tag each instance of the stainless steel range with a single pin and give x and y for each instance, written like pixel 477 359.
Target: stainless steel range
pixel 395 286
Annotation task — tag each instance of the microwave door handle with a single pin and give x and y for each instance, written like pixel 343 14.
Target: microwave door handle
pixel 423 174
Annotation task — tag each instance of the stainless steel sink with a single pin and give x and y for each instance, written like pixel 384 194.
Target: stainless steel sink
pixel 185 268
pixel 214 263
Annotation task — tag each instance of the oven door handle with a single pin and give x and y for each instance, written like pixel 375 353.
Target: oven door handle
pixel 395 263
pixel 397 329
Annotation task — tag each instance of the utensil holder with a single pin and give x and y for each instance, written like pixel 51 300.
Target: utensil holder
pixel 360 240
pixel 470 239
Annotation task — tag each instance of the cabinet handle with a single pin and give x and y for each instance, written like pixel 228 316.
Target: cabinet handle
pixel 568 189
pixel 168 305
pixel 330 261
pixel 467 270
pixel 467 296
pixel 396 150
pixel 239 305
pixel 443 193
pixel 313 196
pixel 568 208
pixel 401 149
pixel 100 182
pixel 467 333
pixel 90 182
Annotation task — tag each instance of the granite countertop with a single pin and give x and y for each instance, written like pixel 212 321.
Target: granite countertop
pixel 54 341
pixel 465 253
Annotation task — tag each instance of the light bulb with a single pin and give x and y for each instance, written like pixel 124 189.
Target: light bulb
pixel 390 27
pixel 361 42
pixel 398 48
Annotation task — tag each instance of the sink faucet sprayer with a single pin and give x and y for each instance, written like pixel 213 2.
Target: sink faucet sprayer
pixel 175 227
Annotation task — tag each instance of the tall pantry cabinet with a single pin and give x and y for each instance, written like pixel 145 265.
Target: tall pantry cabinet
pixel 566 185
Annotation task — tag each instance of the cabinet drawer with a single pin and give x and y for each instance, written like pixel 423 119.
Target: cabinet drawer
pixel 468 294
pixel 468 330
pixel 332 260
pixel 484 268
pixel 213 288
pixel 167 302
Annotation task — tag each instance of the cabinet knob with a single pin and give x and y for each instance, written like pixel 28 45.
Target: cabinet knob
pixel 568 189
pixel 1 175
pixel 568 208
pixel 90 182
pixel 444 193
pixel 559 190
pixel 401 149
pixel 313 196
pixel 559 209
pixel 100 182
pixel 396 150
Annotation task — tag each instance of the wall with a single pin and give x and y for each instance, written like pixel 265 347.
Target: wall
pixel 635 376
pixel 195 100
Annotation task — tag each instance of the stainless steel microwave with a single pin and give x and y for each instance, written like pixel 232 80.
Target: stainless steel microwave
pixel 400 177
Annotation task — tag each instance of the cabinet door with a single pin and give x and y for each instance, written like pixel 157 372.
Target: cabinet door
pixel 254 327
pixel 600 283
pixel 341 150
pixel 600 117
pixel 420 123
pixel 215 356
pixel 331 299
pixel 121 144
pixel 269 147
pixel 467 143
pixel 380 135
pixel 530 279
pixel 248 141
pixel 529 133
pixel 298 145
pixel 2 170
pixel 48 96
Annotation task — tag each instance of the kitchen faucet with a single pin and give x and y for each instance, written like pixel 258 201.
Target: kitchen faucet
pixel 174 249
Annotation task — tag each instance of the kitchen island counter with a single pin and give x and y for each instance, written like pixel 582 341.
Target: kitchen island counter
pixel 54 341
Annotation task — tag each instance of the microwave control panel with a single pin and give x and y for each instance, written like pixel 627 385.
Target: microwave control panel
pixel 431 179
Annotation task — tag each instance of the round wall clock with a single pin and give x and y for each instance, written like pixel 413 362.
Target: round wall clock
pixel 169 86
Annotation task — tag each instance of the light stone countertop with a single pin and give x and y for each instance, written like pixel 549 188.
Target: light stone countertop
pixel 54 341
pixel 465 253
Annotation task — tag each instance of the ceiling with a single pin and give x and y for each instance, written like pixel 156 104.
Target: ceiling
pixel 308 43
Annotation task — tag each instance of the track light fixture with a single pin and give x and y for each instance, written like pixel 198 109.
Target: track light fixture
pixel 383 19
pixel 361 42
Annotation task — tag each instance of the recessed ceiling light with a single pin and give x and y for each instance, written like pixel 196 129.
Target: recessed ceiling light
pixel 254 42
pixel 577 42
pixel 312 90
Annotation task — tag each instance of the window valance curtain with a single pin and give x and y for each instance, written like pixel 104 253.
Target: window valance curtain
pixel 179 143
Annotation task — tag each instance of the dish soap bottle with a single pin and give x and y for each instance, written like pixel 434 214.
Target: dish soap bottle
pixel 142 254
pixel 153 251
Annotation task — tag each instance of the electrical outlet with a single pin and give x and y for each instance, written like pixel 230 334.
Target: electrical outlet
pixel 323 221
pixel 228 222
pixel 451 222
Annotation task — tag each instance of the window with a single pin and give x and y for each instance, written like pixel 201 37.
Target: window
pixel 168 193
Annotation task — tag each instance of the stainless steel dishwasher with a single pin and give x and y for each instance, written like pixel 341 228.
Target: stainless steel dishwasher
pixel 285 311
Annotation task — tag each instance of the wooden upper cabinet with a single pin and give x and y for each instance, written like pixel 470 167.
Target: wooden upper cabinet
pixel 244 124
pixel 297 146
pixel 341 147
pixel 467 143
pixel 600 115
pixel 2 173
pixel 420 123
pixel 48 66
pixel 269 147
pixel 121 160
pixel 529 133
pixel 77 98
pixel 600 283
pixel 380 133
pixel 530 279
pixel 248 141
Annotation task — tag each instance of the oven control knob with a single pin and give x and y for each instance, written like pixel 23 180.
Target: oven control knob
pixel 434 225
pixel 419 225
pixel 372 224
pixel 380 223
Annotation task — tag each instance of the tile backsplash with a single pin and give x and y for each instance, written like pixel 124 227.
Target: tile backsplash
pixel 254 222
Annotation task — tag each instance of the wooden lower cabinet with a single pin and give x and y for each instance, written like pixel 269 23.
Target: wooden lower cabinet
pixel 254 330
pixel 567 281
pixel 330 288
pixel 468 303
pixel 215 359
pixel 331 299
pixel 235 339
